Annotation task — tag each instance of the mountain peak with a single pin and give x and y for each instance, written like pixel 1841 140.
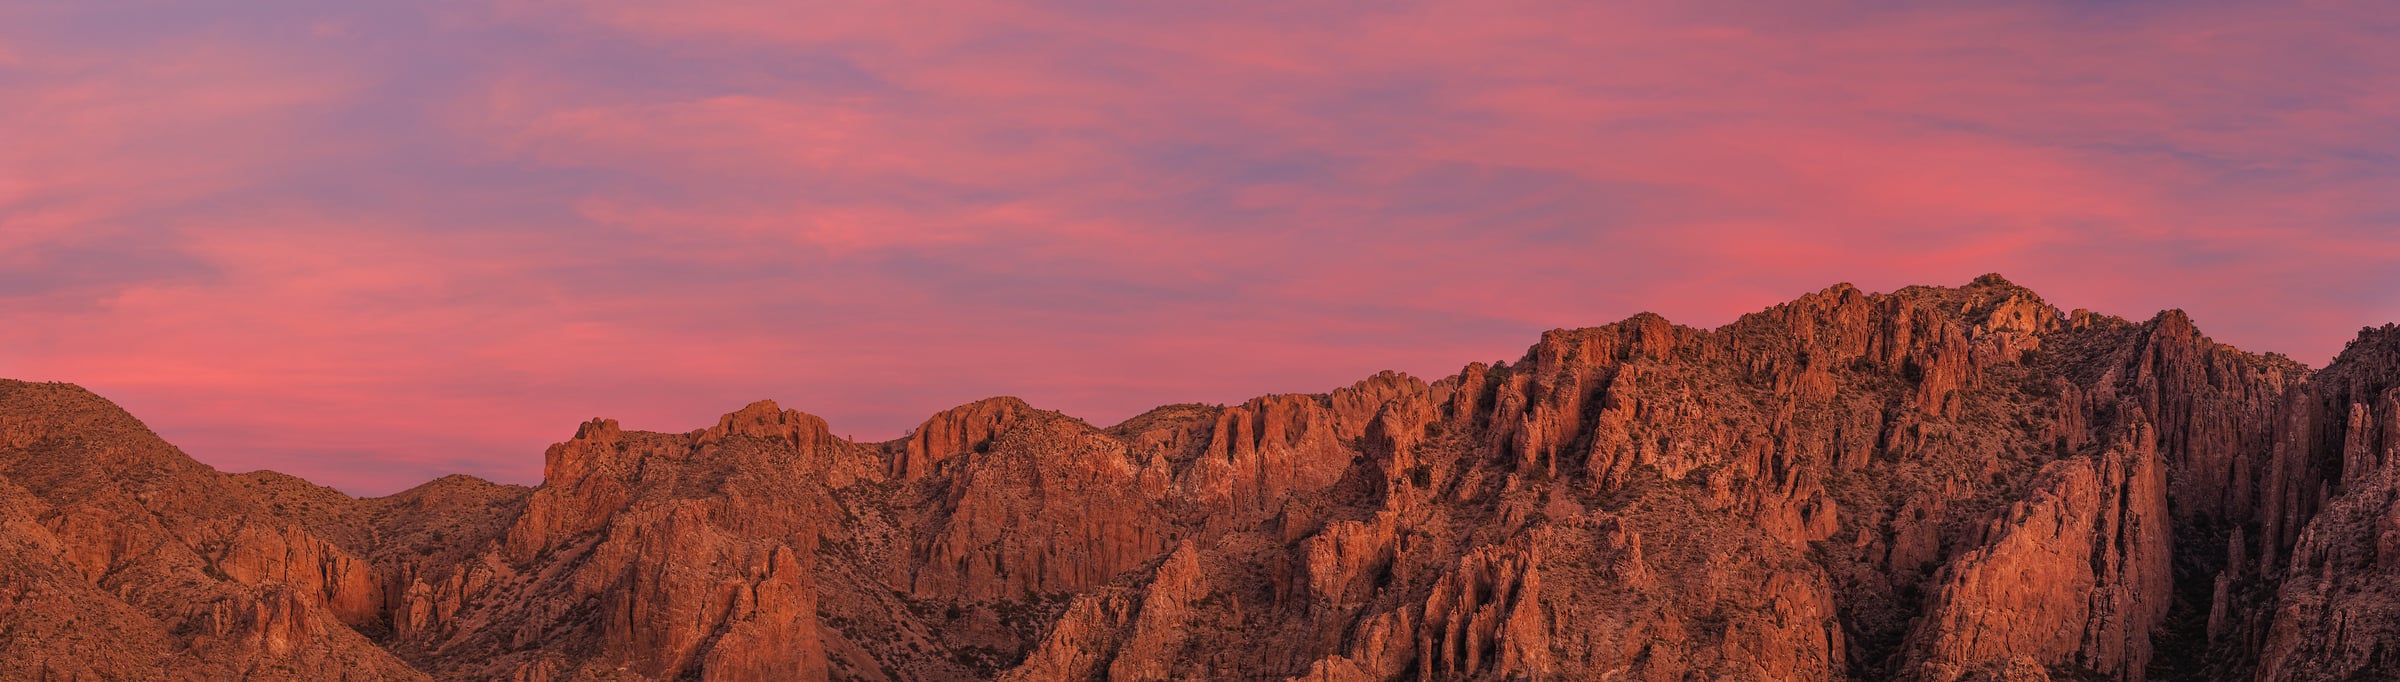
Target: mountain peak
pixel 1877 472
pixel 765 419
pixel 956 431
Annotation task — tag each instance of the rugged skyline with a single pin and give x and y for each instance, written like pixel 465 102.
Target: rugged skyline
pixel 1935 484
pixel 299 235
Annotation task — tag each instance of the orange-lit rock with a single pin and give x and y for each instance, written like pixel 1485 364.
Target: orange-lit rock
pixel 1935 483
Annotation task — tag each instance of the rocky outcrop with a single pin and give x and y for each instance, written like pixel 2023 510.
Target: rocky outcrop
pixel 959 430
pixel 2075 577
pixel 1274 447
pixel 771 627
pixel 1053 506
pixel 1348 562
pixel 660 555
pixel 2337 614
pixel 1485 619
pixel 1934 484
pixel 128 560
pixel 1127 634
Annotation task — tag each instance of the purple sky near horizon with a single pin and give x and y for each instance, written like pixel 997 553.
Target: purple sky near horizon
pixel 376 242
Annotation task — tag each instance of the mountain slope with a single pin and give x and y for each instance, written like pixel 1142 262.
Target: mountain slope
pixel 1931 484
pixel 127 560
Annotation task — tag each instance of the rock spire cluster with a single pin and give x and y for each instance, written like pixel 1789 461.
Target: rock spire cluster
pixel 1933 484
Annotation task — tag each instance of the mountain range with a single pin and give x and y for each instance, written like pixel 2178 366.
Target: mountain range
pixel 1933 484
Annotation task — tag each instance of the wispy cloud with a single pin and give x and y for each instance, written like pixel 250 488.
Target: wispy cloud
pixel 369 242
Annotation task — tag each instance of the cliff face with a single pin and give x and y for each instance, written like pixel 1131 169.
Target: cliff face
pixel 1931 484
pixel 2337 610
pixel 2076 575
pixel 127 560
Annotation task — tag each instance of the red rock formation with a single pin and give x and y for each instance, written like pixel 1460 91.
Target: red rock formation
pixel 2075 576
pixel 954 432
pixel 771 627
pixel 1054 506
pixel 115 535
pixel 1348 561
pixel 2338 615
pixel 1121 633
pixel 1274 447
pixel 662 555
pixel 1935 483
pixel 1485 619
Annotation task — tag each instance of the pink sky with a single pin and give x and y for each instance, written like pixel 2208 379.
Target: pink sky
pixel 371 243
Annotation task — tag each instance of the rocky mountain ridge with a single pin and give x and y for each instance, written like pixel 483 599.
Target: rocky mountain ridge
pixel 1931 484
